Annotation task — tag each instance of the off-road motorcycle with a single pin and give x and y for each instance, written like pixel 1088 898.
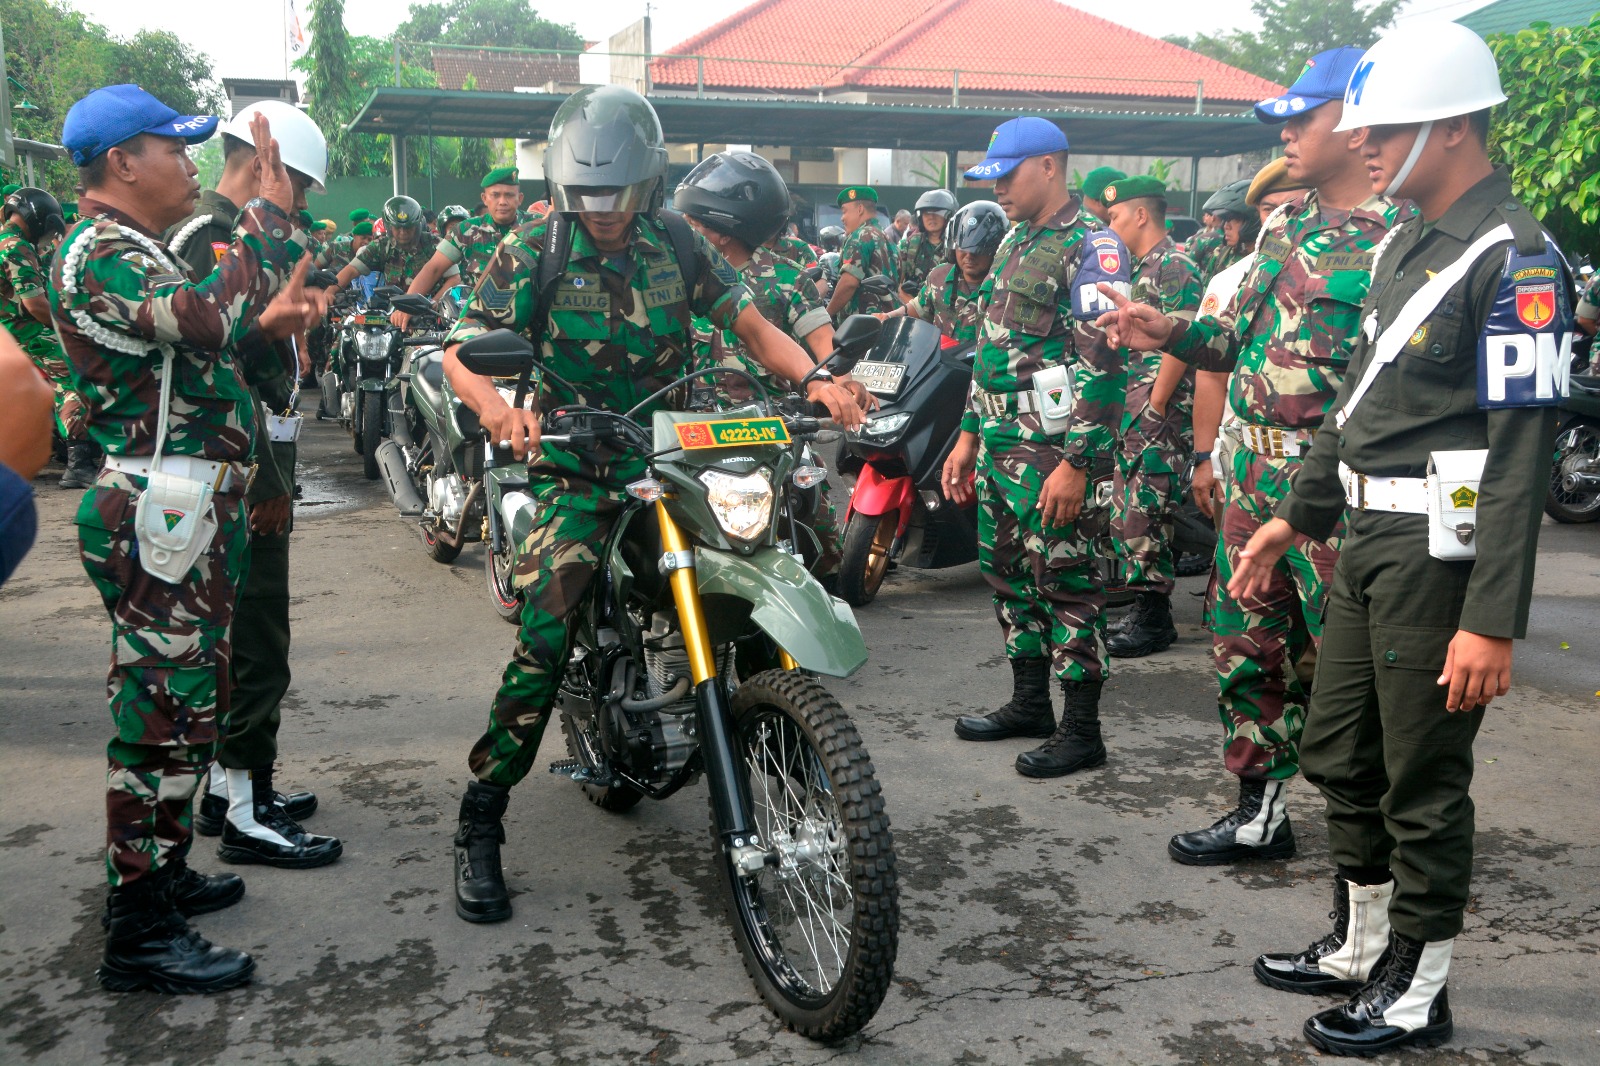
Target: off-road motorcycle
pixel 697 652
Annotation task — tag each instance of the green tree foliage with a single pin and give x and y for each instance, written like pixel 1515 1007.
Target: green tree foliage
pixel 1291 32
pixel 1548 130
pixel 501 23
pixel 332 97
pixel 59 56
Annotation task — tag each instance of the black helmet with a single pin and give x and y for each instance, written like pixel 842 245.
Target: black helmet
pixel 940 200
pixel 38 210
pixel 606 153
pixel 829 262
pixel 451 213
pixel 738 194
pixel 831 238
pixel 401 212
pixel 1230 200
pixel 977 228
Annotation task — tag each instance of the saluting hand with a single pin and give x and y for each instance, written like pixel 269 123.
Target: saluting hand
pixel 1137 326
pixel 275 184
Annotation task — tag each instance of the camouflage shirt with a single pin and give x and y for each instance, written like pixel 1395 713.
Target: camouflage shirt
pixel 1168 280
pixel 917 256
pixel 335 254
pixel 619 329
pixel 785 297
pixel 1589 304
pixel 866 252
pixel 22 278
pixel 120 298
pixel 794 249
pixel 473 243
pixel 1220 257
pixel 950 302
pixel 1296 316
pixel 399 266
pixel 1027 324
pixel 1203 245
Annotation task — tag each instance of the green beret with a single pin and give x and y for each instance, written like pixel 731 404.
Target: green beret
pixel 306 220
pixel 9 189
pixel 1132 188
pixel 857 192
pixel 1095 182
pixel 361 215
pixel 500 176
pixel 362 229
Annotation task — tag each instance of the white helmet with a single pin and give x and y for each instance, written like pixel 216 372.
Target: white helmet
pixel 300 142
pixel 1420 72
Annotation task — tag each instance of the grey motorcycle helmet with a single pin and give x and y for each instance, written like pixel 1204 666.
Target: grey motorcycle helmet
pixel 1230 200
pixel 941 200
pixel 606 153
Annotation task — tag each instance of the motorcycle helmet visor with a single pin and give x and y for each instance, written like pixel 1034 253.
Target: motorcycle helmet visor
pixel 571 199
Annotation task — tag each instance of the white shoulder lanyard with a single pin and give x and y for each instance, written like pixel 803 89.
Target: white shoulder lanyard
pixel 1418 308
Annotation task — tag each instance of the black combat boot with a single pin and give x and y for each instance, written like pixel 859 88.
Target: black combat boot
pixel 83 464
pixel 150 945
pixel 196 893
pixel 1029 713
pixel 258 830
pixel 480 885
pixel 1151 629
pixel 1343 960
pixel 213 805
pixel 1407 1002
pixel 1256 829
pixel 1130 617
pixel 1076 743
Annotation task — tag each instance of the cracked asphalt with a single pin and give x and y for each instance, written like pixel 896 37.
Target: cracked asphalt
pixel 1041 922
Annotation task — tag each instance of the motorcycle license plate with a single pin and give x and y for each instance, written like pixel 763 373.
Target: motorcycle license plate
pixel 881 379
pixel 731 433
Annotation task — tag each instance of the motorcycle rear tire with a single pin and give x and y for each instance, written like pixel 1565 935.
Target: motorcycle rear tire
pixel 613 798
pixel 867 551
pixel 371 434
pixel 1572 508
pixel 507 601
pixel 439 550
pixel 823 754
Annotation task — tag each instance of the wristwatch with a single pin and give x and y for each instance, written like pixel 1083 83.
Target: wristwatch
pixel 1080 460
pixel 1201 457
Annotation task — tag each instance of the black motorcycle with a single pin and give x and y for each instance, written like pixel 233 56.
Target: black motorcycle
pixel 363 371
pixel 1574 494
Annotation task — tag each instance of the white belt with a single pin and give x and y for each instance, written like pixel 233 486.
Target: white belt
pixel 218 475
pixel 1274 441
pixel 1404 495
pixel 1005 404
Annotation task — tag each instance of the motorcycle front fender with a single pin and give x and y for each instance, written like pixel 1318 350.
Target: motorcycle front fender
pixel 789 606
pixel 876 495
pixel 373 385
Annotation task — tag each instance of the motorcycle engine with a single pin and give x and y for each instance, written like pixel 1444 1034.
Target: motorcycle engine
pixel 663 740
pixel 447 495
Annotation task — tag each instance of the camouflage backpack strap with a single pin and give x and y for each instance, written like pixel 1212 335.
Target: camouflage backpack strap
pixel 684 249
pixel 554 255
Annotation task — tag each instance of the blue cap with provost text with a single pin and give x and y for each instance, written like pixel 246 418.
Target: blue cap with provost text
pixel 1321 81
pixel 1018 139
pixel 107 117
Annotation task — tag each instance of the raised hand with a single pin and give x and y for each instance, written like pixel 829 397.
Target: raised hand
pixel 275 184
pixel 1133 325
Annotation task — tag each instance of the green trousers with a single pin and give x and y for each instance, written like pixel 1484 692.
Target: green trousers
pixel 1393 765
pixel 260 672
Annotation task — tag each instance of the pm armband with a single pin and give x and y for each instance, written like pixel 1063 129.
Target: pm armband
pixel 1525 350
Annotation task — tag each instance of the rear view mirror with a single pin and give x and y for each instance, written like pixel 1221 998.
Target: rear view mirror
pixel 877 285
pixel 322 279
pixel 388 290
pixel 502 353
pixel 412 304
pixel 814 272
pixel 855 337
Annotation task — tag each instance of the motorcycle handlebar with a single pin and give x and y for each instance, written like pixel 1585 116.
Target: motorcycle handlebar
pixel 422 339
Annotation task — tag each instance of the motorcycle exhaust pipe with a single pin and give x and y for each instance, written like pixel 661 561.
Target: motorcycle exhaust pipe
pixel 392 461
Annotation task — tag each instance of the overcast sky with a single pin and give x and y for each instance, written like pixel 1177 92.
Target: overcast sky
pixel 247 42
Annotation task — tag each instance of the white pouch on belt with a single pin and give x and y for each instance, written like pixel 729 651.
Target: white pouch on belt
pixel 1052 388
pixel 1453 479
pixel 172 520
pixel 283 429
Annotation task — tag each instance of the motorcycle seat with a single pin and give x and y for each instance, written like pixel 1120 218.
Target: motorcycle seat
pixel 427 374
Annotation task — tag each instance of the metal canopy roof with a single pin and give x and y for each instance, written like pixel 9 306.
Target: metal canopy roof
pixel 816 123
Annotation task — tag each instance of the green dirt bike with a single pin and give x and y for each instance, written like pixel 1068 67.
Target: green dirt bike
pixel 697 651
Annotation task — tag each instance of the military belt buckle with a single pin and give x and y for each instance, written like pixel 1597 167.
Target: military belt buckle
pixel 994 404
pixel 250 476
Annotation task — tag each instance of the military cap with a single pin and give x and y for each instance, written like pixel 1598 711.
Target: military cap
pixel 1013 141
pixel 362 229
pixel 9 189
pixel 324 224
pixel 107 117
pixel 1132 188
pixel 1095 182
pixel 360 215
pixel 305 219
pixel 857 192
pixel 1274 177
pixel 500 176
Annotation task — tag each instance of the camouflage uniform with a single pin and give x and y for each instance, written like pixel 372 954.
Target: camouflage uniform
pixel 119 300
pixel 1202 246
pixel 336 254
pixel 617 337
pixel 1047 591
pixel 866 252
pixel 1589 303
pixel 1295 323
pixel 22 278
pixel 1154 449
pixel 473 244
pixel 795 250
pixel 399 266
pixel 916 256
pixel 949 302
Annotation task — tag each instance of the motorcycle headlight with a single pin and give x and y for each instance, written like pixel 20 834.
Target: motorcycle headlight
pixel 741 505
pixel 372 344
pixel 886 425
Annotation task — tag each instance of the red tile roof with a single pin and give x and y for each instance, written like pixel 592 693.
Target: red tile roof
pixel 501 71
pixel 1000 46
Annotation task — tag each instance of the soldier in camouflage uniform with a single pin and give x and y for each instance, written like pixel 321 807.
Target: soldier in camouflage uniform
pixel 402 251
pixel 124 306
pixel 32 216
pixel 1588 309
pixel 1286 338
pixel 460 258
pixel 1035 527
pixel 923 246
pixel 865 252
pixel 618 330
pixel 257 823
pixel 949 296
pixel 1157 423
pixel 1095 214
pixel 792 248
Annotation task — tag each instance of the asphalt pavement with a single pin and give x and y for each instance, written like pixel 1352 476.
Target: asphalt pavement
pixel 1041 922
